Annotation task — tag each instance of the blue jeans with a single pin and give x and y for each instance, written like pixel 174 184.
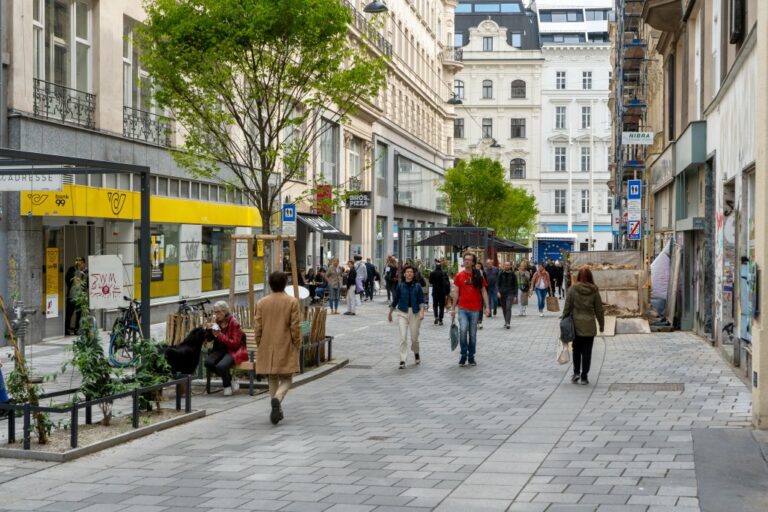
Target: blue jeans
pixel 468 332
pixel 493 301
pixel 333 298
pixel 541 294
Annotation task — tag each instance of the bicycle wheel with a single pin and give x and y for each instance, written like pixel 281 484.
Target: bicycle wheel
pixel 121 344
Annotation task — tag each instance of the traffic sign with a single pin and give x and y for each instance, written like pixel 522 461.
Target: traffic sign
pixel 289 219
pixel 634 189
pixel 634 230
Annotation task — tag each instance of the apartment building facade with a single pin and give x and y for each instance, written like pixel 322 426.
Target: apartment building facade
pixel 76 88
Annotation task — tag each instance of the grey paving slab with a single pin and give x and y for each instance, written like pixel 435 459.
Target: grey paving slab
pixel 510 434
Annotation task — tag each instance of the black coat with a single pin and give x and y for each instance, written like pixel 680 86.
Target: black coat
pixel 507 283
pixel 351 277
pixel 438 281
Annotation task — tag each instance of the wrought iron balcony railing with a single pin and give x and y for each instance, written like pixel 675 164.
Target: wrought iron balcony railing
pixel 146 126
pixel 67 105
pixel 362 25
pixel 454 53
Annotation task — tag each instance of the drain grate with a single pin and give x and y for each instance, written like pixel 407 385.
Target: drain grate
pixel 647 386
pixel 359 367
pixel 378 438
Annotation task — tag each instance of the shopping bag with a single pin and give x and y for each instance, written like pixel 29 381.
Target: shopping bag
pixel 563 355
pixel 454 333
pixel 567 329
pixel 553 304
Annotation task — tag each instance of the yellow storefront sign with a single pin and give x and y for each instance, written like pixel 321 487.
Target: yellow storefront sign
pixel 101 203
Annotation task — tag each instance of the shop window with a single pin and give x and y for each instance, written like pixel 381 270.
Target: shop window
pixel 96 180
pixel 184 189
pixel 204 191
pixel 216 256
pixel 173 188
pixel 162 186
pixel 195 190
pixel 164 260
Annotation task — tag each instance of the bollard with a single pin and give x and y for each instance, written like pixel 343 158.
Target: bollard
pixel 188 395
pixel 27 426
pixel 73 428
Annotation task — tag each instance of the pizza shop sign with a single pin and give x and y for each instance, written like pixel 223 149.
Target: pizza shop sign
pixel 359 200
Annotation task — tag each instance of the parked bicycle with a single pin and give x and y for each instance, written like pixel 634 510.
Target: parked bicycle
pixel 187 308
pixel 126 331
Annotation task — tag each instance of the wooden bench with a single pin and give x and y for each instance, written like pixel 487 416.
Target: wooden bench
pixel 249 365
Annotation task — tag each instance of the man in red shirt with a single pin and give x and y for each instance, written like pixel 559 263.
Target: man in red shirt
pixel 472 295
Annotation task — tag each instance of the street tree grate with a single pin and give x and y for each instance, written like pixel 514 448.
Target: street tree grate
pixel 647 386
pixel 359 367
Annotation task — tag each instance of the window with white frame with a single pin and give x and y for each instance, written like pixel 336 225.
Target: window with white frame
pixel 560 201
pixel 517 39
pixel 458 89
pixel 586 117
pixel 585 201
pixel 354 158
pixel 560 159
pixel 560 80
pixel 517 89
pixel 517 129
pixel 487 128
pixel 517 169
pixel 586 80
pixel 458 128
pixel 487 89
pixel 487 44
pixel 137 85
pixel 586 159
pixel 560 118
pixel 61 44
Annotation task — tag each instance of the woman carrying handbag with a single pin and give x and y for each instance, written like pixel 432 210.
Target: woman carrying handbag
pixel 584 305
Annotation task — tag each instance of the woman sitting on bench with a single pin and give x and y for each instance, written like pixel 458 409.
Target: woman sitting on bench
pixel 229 347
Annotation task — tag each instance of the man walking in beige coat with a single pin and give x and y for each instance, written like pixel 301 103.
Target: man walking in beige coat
pixel 278 338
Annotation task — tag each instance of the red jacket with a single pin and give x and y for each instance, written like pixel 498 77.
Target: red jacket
pixel 231 336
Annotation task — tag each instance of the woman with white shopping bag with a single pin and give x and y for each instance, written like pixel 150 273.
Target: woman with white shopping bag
pixel 583 304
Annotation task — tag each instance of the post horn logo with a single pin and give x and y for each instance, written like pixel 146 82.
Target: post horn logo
pixel 37 199
pixel 116 202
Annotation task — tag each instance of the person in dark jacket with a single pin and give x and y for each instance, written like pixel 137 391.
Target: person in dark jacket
pixel 492 276
pixel 391 276
pixel 76 280
pixel 441 287
pixel 559 275
pixel 351 288
pixel 552 272
pixel 584 304
pixel 410 305
pixel 370 276
pixel 507 291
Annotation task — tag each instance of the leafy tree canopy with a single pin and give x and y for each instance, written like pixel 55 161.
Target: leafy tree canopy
pixel 478 194
pixel 249 80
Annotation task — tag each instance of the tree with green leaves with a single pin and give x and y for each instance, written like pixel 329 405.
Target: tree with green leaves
pixel 250 81
pixel 479 195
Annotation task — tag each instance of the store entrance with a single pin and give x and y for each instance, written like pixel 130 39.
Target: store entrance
pixel 62 245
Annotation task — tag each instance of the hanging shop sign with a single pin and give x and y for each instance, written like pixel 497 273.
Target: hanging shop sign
pixel 105 282
pixel 359 200
pixel 52 282
pixel 638 138
pixel 31 182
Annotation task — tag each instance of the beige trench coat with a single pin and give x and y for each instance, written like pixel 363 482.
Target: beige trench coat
pixel 278 335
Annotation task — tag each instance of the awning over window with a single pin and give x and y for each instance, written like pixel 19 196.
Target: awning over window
pixel 320 225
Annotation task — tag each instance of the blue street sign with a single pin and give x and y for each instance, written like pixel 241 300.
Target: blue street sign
pixel 634 189
pixel 289 212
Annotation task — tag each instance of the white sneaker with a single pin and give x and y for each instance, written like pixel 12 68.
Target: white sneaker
pixel 228 391
pixel 235 385
pixel 541 314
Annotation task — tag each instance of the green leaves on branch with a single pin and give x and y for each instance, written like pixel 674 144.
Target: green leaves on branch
pixel 479 195
pixel 250 80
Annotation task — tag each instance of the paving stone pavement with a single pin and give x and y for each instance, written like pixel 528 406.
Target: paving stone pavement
pixel 510 434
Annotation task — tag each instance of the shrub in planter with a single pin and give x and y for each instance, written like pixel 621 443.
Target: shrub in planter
pixel 151 369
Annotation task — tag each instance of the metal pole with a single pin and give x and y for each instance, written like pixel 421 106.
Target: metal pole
pixel 569 165
pixel 592 160
pixel 146 276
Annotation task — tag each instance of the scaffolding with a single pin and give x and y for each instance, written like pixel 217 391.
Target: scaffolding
pixel 630 90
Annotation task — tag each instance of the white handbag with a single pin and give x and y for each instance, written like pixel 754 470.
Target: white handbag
pixel 563 354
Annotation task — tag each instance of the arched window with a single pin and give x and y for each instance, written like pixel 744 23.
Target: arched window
pixel 517 169
pixel 487 89
pixel 458 89
pixel 518 89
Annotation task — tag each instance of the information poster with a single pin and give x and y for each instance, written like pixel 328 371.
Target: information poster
pixel 52 282
pixel 157 254
pixel 105 282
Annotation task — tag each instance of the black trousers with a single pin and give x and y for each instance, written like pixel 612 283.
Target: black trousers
pixel 582 355
pixel 369 289
pixel 438 304
pixel 72 314
pixel 219 361
pixel 507 299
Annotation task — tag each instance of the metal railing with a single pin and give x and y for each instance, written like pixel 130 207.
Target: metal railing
pixel 452 53
pixel 361 24
pixel 67 105
pixel 146 126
